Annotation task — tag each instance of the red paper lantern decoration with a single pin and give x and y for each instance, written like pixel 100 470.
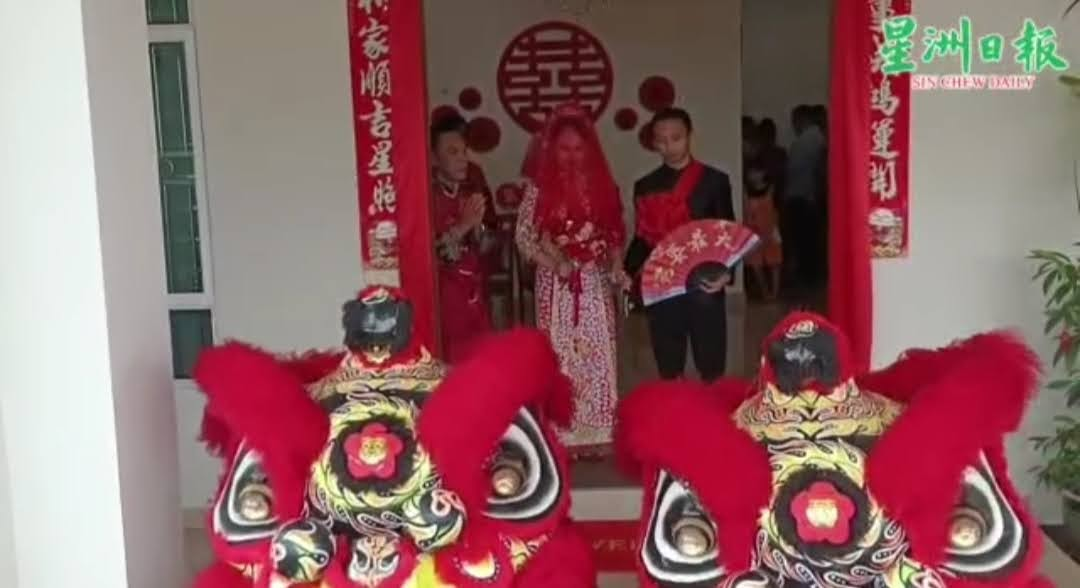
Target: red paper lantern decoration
pixel 656 93
pixel 645 137
pixel 442 111
pixel 470 99
pixel 483 134
pixel 626 119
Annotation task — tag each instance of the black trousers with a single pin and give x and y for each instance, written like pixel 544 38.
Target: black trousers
pixel 699 317
pixel 802 239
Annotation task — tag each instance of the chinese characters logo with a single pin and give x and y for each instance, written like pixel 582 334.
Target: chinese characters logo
pixel 549 64
pixel 1032 48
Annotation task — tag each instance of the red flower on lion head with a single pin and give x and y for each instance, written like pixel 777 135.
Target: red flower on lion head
pixel 373 452
pixel 823 514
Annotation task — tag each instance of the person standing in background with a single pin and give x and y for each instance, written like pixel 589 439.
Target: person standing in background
pixel 463 214
pixel 680 190
pixel 801 204
pixel 749 131
pixel 821 119
pixel 771 156
pixel 760 212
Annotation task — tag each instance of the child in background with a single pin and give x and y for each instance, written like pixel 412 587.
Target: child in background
pixel 759 208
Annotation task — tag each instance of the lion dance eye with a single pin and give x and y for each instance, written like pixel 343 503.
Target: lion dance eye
pixel 693 536
pixel 256 503
pixel 967 529
pixel 507 477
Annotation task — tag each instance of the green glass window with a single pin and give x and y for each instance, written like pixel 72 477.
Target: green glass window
pixel 176 163
pixel 166 12
pixel 191 333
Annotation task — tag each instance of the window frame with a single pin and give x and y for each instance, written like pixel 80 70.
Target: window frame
pixel 184 34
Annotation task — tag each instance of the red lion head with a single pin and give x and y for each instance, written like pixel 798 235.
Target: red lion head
pixel 814 475
pixel 375 467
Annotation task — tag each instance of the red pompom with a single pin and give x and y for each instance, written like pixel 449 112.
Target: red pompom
pixel 483 134
pixel 645 137
pixel 470 99
pixel 656 93
pixel 626 119
pixel 442 111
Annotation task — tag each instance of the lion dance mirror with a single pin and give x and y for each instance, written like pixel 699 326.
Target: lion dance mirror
pixel 375 467
pixel 816 477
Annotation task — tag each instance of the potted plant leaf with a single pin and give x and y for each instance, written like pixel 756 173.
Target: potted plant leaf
pixel 1059 275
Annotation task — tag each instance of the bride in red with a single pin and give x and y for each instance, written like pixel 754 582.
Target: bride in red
pixel 571 226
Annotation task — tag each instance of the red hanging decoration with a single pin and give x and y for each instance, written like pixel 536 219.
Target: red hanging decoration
pixel 389 89
pixel 483 134
pixel 470 99
pixel 890 132
pixel 656 93
pixel 645 137
pixel 442 111
pixel 626 119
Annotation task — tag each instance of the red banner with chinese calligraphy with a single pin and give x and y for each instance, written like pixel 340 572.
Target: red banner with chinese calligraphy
pixel 890 117
pixel 390 118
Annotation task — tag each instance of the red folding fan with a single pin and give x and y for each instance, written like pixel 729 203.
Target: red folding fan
pixel 689 253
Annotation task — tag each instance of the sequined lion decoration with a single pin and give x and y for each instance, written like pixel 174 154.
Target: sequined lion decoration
pixel 813 476
pixel 376 467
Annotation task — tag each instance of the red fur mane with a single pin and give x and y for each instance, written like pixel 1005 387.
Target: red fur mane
pixel 254 396
pixel 463 421
pixel 976 391
pixel 686 429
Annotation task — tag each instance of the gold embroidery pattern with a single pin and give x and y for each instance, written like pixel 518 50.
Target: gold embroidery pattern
pixel 521 550
pixel 792 457
pixel 813 431
pixel 775 417
pixel 422 375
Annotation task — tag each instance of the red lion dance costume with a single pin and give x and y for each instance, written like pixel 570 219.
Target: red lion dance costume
pixel 373 468
pixel 816 477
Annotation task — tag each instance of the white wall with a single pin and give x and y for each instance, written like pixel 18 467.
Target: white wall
pixel 7 521
pixel 785 46
pixel 277 111
pixel 85 388
pixel 991 179
pixel 696 45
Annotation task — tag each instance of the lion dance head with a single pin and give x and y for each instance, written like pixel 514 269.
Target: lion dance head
pixel 377 467
pixel 813 475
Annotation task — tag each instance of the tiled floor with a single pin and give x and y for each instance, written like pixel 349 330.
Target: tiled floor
pixel 747 327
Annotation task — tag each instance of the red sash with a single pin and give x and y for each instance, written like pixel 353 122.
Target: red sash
pixel 659 214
